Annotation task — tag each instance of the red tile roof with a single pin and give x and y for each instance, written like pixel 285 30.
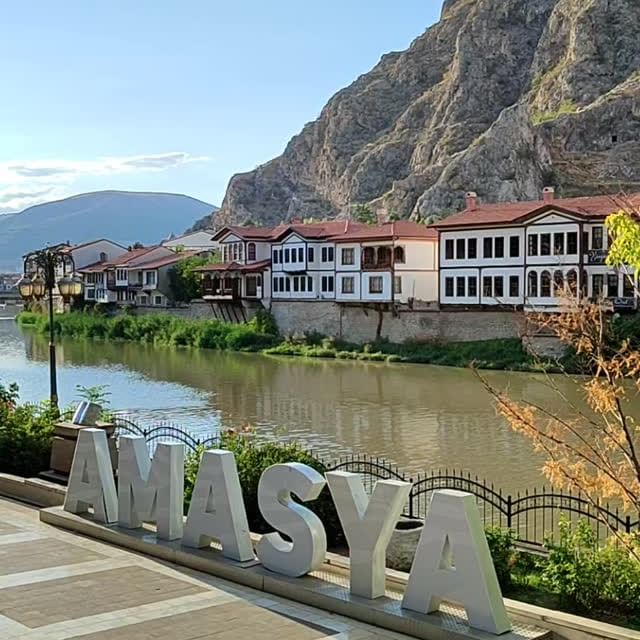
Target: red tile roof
pixel 388 231
pixel 120 260
pixel 130 255
pixel 588 207
pixel 165 260
pixel 334 230
pixel 246 233
pixel 95 267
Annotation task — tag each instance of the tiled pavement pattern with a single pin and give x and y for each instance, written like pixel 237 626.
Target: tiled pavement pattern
pixel 55 585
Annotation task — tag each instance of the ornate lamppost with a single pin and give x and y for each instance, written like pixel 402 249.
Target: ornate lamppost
pixel 39 278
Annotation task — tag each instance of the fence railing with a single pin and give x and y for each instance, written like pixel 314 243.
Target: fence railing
pixel 533 515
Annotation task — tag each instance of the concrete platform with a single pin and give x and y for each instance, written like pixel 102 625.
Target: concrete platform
pixel 59 585
pixel 326 589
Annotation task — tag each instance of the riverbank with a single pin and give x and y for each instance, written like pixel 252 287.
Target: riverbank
pixel 261 335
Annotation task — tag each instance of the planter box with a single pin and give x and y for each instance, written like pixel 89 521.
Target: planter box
pixel 31 490
pixel 65 438
pixel 403 544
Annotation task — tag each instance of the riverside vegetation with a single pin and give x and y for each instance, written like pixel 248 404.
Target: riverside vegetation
pixel 261 335
pixel 577 575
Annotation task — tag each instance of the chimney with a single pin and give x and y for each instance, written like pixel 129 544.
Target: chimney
pixel 471 200
pixel 548 194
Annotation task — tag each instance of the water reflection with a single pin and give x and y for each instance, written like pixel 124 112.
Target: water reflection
pixel 417 416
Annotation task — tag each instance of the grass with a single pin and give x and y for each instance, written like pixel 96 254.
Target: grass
pixel 260 335
pixel 566 107
pixel 487 354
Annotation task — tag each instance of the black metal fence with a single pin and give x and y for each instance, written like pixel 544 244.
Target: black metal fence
pixel 533 515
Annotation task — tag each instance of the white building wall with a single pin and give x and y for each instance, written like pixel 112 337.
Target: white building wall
pixel 365 290
pixel 348 297
pixel 465 236
pixel 197 241
pixel 341 249
pixel 90 254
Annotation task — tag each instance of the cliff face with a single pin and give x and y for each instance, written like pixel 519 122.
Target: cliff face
pixel 501 97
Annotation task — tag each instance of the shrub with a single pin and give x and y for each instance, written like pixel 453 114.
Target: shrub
pixel 26 434
pixel 265 323
pixel 588 577
pixel 252 458
pixel 502 547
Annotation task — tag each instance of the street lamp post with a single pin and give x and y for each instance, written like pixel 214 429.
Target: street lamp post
pixel 40 278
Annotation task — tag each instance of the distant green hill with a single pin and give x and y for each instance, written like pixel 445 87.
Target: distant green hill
pixel 123 216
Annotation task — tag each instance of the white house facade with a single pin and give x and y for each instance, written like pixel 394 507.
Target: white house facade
pixel 342 261
pixel 137 277
pixel 529 254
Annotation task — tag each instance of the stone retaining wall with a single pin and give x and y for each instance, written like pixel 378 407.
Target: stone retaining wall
pixel 359 324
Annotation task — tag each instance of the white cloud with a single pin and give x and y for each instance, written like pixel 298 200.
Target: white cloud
pixel 23 184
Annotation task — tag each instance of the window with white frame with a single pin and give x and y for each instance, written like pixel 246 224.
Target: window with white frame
pixel 514 247
pixel 397 285
pixel 347 256
pixel 150 278
pixel 326 284
pixel 498 286
pixel 121 274
pixel 375 284
pixel 472 286
pixel 545 244
pixel 448 249
pixel 348 285
pixel 327 254
pixel 597 238
pixel 514 286
pixel 532 284
pixel 448 287
pixel 157 301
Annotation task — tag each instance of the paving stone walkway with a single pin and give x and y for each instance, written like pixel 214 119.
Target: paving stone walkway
pixel 55 585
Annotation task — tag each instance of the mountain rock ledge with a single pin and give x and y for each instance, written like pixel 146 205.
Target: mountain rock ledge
pixel 501 97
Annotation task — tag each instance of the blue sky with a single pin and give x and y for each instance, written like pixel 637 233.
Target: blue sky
pixel 174 96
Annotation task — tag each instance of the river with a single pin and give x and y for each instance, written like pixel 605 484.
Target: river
pixel 419 417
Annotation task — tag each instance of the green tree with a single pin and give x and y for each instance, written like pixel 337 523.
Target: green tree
pixel 184 281
pixel 624 228
pixel 362 213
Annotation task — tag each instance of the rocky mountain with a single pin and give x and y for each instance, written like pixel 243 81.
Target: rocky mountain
pixel 123 216
pixel 501 97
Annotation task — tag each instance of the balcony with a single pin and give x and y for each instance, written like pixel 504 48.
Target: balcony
pixel 381 258
pixel 221 289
